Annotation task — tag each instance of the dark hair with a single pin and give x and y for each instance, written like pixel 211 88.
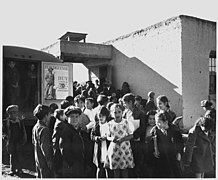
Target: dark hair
pixel 41 111
pixel 116 105
pixel 109 105
pixel 79 98
pixel 58 113
pixel 138 98
pixel 161 115
pixel 152 112
pixel 206 122
pixel 129 97
pixel 104 111
pixel 65 104
pixel 70 99
pixel 102 99
pixel 53 107
pixel 90 99
pixel 164 99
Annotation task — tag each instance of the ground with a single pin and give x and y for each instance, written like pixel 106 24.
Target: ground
pixel 28 163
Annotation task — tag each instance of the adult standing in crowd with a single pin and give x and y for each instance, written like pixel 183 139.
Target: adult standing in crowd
pixel 210 112
pixel 150 105
pixel 12 83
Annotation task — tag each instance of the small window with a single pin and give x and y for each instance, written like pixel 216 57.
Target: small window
pixel 212 72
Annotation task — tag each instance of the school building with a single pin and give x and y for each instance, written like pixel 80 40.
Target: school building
pixel 175 57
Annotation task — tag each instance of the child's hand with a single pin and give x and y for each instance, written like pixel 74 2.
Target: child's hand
pixel 103 138
pixel 119 141
pixel 178 157
pixel 115 140
pixel 156 154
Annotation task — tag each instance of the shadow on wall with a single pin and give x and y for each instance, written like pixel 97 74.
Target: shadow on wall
pixel 143 79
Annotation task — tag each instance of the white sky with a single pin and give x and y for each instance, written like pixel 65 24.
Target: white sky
pixel 37 24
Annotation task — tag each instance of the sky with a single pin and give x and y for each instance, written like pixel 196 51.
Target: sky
pixel 37 24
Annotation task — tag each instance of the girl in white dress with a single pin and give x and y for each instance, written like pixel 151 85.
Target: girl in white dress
pixel 120 156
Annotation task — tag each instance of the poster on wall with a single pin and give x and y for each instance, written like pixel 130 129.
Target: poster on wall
pixel 55 81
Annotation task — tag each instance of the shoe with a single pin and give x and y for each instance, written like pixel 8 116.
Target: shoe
pixel 12 173
pixel 20 171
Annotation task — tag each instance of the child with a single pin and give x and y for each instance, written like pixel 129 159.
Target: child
pixel 150 105
pixel 148 146
pixel 72 145
pixel 89 103
pixel 41 139
pixel 15 136
pixel 89 145
pixel 200 147
pixel 58 129
pixel 99 135
pixel 163 105
pixel 168 147
pixel 120 156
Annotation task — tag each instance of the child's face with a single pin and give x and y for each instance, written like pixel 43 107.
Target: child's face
pixel 62 117
pixel 117 113
pixel 80 104
pixel 13 114
pixel 160 124
pixel 151 120
pixel 88 104
pixel 137 103
pixel 127 105
pixel 73 119
pixel 102 118
pixel 48 117
pixel 161 105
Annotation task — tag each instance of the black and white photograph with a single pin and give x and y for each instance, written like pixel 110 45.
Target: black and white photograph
pixel 108 89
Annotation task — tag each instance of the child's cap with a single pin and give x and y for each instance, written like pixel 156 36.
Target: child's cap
pixel 58 113
pixel 12 108
pixel 72 110
pixel 40 111
pixel 206 103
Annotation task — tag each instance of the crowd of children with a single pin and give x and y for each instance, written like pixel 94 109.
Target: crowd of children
pixel 105 133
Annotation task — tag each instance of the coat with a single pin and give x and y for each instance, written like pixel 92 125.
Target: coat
pixel 95 133
pixel 57 157
pixel 7 134
pixel 72 149
pixel 168 147
pixel 200 150
pixel 41 140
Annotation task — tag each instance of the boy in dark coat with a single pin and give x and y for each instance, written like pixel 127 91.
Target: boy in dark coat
pixel 200 147
pixel 41 139
pixel 72 145
pixel 58 129
pixel 167 148
pixel 14 134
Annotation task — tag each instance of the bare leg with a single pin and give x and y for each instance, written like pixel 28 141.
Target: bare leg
pixel 198 175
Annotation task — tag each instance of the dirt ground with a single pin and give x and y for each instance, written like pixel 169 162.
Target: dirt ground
pixel 28 163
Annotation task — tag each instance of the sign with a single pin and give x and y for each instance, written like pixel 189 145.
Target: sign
pixel 56 81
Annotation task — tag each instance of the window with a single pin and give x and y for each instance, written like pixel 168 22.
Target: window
pixel 212 72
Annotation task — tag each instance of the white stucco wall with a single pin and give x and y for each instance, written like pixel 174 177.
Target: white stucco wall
pixel 198 39
pixel 143 79
pixel 157 46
